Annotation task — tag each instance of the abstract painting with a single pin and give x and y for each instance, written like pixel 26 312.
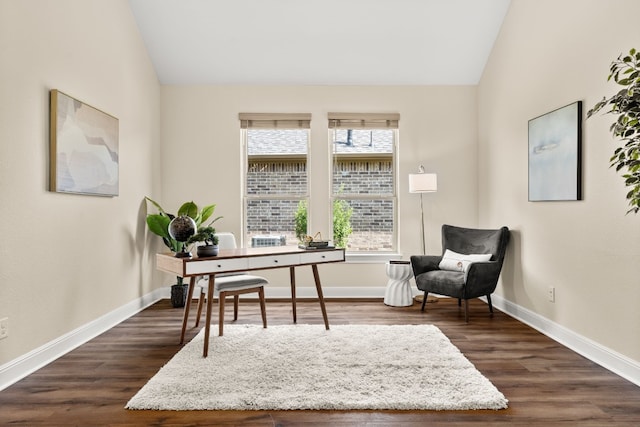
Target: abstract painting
pixel 555 145
pixel 83 148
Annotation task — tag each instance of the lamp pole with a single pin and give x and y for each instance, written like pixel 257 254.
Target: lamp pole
pixel 422 182
pixel 424 251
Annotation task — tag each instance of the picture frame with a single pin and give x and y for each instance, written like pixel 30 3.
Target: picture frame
pixel 84 150
pixel 555 155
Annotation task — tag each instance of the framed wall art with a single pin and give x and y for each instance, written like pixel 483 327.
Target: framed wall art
pixel 84 156
pixel 555 151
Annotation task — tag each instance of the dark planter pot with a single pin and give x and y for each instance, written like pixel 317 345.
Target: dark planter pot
pixel 207 250
pixel 179 295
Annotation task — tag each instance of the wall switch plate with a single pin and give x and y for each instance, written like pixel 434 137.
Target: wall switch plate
pixel 551 293
pixel 4 328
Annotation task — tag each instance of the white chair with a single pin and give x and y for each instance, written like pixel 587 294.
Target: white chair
pixel 231 284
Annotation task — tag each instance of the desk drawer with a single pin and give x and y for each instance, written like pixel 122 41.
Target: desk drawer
pixel 273 261
pixel 311 257
pixel 216 266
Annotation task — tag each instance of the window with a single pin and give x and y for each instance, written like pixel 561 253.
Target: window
pixel 276 147
pixel 364 180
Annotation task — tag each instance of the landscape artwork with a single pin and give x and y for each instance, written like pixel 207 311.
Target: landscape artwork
pixel 555 155
pixel 84 148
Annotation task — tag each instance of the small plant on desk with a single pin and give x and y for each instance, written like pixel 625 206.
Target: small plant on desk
pixel 210 239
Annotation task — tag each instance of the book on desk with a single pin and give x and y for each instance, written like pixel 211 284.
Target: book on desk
pixel 316 244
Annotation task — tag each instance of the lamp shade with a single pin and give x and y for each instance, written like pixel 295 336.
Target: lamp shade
pixel 423 183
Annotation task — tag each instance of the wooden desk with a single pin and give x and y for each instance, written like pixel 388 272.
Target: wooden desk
pixel 247 259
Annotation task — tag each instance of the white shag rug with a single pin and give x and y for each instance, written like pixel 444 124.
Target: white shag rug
pixel 286 367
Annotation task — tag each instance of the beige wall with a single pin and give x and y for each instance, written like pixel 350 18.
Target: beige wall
pixel 66 260
pixel 551 53
pixel 202 156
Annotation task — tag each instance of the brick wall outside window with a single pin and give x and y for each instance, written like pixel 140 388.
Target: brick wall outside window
pixel 372 220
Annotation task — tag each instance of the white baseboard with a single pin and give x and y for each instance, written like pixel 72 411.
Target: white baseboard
pixel 19 368
pixel 615 362
pixel 26 364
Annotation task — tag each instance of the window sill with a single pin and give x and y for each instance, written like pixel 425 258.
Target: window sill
pixel 371 258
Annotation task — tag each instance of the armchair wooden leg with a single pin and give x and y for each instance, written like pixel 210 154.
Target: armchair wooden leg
pixel 459 302
pixel 466 311
pixel 489 301
pixel 424 300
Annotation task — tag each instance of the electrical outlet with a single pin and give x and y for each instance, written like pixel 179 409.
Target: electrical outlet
pixel 4 328
pixel 551 293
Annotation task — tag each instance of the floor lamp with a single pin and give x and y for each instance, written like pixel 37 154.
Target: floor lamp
pixel 423 183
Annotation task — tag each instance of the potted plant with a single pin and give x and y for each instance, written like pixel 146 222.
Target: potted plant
pixel 208 236
pixel 341 222
pixel 625 105
pixel 158 224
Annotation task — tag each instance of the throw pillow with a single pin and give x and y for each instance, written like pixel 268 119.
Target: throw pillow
pixel 454 261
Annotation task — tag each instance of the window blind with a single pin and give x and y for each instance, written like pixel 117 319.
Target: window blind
pixel 275 120
pixel 363 120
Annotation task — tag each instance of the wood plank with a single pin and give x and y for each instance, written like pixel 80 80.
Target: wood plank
pixel 546 383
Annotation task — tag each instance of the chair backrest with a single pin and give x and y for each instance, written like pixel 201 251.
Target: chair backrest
pixel 226 240
pixel 476 241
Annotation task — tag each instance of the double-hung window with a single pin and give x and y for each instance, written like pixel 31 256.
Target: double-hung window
pixel 363 180
pixel 276 180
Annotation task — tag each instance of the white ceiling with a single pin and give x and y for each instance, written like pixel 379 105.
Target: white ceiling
pixel 319 42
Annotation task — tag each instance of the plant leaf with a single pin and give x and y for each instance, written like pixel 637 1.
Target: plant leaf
pixel 154 203
pixel 214 220
pixel 159 224
pixel 206 212
pixel 189 209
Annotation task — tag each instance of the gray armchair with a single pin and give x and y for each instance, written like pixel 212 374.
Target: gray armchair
pixel 463 279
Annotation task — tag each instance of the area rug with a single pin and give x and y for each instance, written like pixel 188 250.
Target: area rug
pixel 287 367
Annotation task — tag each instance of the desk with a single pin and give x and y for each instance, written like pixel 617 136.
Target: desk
pixel 246 259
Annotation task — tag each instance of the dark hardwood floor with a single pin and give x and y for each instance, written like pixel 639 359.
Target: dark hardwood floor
pixel 546 383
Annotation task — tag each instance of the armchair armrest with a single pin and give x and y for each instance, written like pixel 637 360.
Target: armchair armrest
pixel 482 278
pixel 423 263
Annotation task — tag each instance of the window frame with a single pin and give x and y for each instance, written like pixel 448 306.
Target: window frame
pixel 267 121
pixel 285 121
pixel 367 121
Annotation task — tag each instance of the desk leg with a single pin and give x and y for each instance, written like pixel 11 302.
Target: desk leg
pixel 292 273
pixel 187 307
pixel 207 327
pixel 316 277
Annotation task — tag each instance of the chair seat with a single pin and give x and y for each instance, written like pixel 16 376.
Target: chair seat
pixel 442 282
pixel 232 285
pixel 228 284
pixel 235 283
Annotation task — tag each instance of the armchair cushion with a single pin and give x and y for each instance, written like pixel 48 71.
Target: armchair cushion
pixel 454 261
pixel 423 263
pixel 443 282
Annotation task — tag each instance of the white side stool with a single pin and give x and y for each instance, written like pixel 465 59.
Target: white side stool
pixel 398 292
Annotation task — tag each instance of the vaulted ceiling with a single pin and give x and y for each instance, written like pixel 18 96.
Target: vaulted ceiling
pixel 319 42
